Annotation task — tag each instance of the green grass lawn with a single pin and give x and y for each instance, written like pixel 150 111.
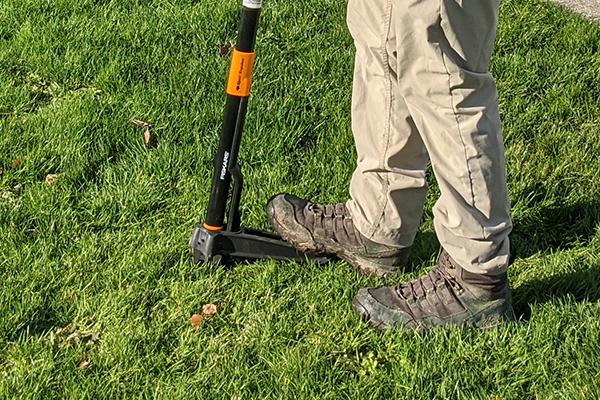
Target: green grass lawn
pixel 95 267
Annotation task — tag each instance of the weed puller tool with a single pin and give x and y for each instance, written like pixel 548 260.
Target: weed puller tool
pixel 213 240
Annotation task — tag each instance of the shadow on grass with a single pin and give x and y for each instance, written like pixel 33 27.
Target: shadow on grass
pixel 543 229
pixel 424 250
pixel 40 320
pixel 550 229
pixel 579 286
pixel 555 228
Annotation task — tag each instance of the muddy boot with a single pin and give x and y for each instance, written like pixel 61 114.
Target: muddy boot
pixel 448 295
pixel 329 230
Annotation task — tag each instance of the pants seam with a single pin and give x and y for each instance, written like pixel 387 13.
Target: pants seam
pixel 387 128
pixel 457 117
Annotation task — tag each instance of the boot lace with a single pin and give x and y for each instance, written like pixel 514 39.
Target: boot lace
pixel 335 220
pixel 422 287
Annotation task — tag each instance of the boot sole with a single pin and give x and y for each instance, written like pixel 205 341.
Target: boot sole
pixel 483 321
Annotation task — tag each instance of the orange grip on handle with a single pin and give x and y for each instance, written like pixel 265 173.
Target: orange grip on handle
pixel 240 74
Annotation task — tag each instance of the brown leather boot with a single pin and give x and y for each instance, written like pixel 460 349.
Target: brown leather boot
pixel 448 295
pixel 329 230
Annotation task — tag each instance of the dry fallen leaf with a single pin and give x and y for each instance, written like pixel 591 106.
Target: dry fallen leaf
pixel 147 130
pixel 225 49
pixel 16 163
pixel 1 172
pixel 50 179
pixel 84 364
pixel 196 320
pixel 209 310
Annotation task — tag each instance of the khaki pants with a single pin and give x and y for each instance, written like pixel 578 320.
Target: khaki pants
pixel 422 92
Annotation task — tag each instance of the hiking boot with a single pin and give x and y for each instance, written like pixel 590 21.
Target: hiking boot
pixel 329 230
pixel 448 295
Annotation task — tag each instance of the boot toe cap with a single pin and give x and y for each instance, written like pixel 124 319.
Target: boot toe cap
pixel 375 307
pixel 284 205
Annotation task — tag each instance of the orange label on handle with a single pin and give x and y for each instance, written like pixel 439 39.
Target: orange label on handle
pixel 240 74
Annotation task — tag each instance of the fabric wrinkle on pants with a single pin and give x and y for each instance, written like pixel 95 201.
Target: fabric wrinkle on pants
pixel 422 91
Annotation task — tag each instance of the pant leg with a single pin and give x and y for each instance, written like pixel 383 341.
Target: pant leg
pixel 444 48
pixel 388 188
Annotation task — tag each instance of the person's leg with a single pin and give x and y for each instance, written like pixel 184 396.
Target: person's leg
pixel 444 57
pixel 388 187
pixel 373 230
pixel 444 49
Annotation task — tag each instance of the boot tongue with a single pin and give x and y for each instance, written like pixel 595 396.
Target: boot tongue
pixel 306 215
pixel 488 283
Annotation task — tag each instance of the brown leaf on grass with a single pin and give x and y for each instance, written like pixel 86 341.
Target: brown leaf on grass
pixel 196 320
pixel 225 49
pixel 16 162
pixel 1 172
pixel 209 310
pixel 147 137
pixel 50 179
pixel 147 130
pixel 84 364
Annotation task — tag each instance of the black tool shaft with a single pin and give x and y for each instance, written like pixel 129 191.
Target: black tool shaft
pixel 233 121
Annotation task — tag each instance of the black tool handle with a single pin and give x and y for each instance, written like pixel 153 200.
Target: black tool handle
pixel 238 92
